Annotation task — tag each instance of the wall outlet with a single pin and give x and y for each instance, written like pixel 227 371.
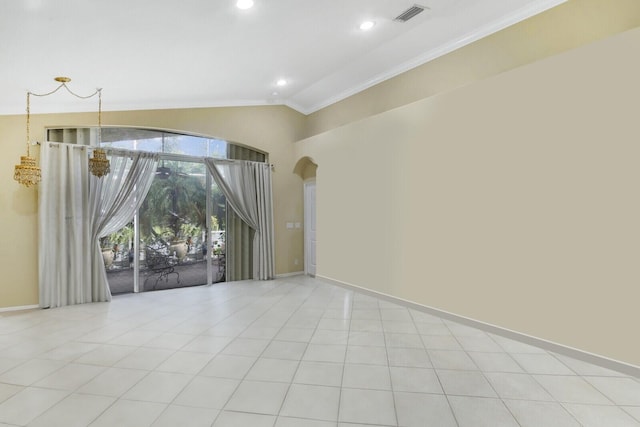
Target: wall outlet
pixel 295 261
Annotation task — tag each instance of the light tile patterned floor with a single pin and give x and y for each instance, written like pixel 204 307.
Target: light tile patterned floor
pixel 294 352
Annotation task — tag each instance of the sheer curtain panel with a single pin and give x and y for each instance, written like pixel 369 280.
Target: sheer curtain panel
pixel 113 202
pixel 247 187
pixel 75 209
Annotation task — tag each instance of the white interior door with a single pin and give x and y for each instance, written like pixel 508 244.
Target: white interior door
pixel 310 228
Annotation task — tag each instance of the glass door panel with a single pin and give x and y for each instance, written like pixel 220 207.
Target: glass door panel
pixel 218 239
pixel 173 227
pixel 117 254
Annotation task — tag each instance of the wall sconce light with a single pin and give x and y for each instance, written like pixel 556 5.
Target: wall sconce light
pixel 28 173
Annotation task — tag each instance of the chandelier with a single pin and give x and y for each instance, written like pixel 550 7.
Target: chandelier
pixel 28 173
pixel 99 164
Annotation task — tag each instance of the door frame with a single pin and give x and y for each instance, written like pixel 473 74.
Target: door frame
pixel 307 219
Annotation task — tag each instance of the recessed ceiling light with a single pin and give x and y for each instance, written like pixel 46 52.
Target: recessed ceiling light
pixel 281 82
pixel 275 93
pixel 244 4
pixel 367 25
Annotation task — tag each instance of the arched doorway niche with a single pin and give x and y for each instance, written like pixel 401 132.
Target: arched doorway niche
pixel 306 168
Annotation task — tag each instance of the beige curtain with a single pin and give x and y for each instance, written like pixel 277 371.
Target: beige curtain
pixel 247 187
pixel 239 246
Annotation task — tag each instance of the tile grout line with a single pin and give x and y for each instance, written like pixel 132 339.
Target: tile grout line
pixel 118 398
pixel 464 350
pixel 344 360
pixel 453 413
pixel 386 350
pixel 257 358
pixel 173 353
pixel 301 356
pixel 273 339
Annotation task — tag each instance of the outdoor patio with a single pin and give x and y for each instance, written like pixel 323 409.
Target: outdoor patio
pixel 189 273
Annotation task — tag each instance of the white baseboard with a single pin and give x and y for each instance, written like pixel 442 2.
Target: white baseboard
pixel 596 359
pixel 18 308
pixel 295 273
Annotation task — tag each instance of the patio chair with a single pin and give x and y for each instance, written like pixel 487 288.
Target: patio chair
pixel 160 264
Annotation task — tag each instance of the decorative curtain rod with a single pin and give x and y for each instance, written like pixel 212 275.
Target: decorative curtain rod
pixel 238 160
pixel 109 150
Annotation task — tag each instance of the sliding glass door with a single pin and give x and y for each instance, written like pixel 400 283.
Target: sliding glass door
pixel 178 234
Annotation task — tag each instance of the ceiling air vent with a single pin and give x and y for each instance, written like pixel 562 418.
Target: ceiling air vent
pixel 410 13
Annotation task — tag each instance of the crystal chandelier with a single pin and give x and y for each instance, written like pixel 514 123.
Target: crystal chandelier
pixel 99 164
pixel 28 173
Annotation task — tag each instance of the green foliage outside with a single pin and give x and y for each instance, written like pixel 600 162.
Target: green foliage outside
pixel 175 208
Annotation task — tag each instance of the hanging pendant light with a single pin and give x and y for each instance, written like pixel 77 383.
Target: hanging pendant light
pixel 99 165
pixel 28 173
pixel 163 172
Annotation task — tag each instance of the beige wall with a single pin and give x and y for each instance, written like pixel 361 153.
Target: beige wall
pixel 272 129
pixel 18 226
pixel 513 201
pixel 572 24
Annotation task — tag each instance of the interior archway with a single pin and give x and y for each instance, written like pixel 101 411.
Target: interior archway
pixel 305 168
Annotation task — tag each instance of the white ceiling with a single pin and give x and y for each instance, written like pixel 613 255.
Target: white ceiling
pixel 149 54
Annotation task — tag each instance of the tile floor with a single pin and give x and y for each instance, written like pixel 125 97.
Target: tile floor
pixel 290 352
